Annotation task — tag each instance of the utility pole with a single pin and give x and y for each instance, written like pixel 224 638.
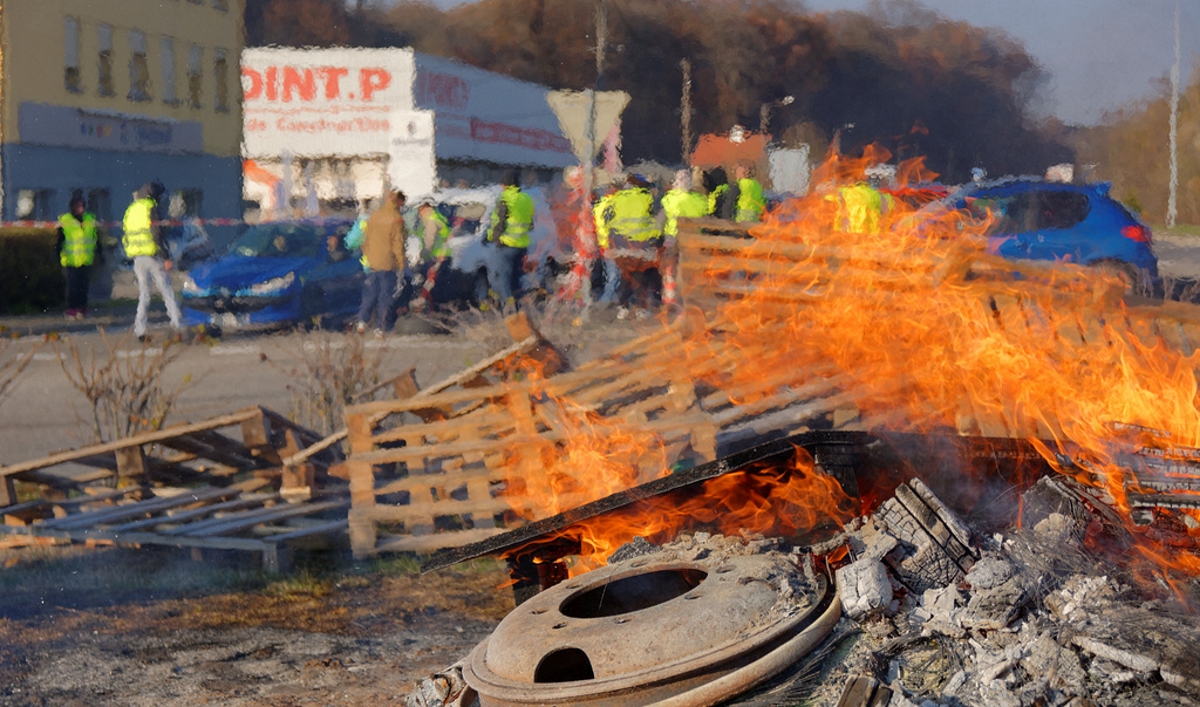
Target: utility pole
pixel 1174 159
pixel 685 111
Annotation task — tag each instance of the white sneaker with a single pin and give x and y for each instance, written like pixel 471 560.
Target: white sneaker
pixel 622 312
pixel 360 327
pixel 379 333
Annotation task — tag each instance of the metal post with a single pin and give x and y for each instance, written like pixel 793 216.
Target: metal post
pixel 1174 159
pixel 685 111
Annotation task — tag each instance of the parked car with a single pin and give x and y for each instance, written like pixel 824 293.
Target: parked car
pixel 473 261
pixel 1078 223
pixel 276 274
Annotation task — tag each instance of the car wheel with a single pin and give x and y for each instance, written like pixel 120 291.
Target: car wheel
pixel 312 304
pixel 482 287
pixel 1125 272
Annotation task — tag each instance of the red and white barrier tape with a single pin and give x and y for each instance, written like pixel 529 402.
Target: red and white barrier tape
pixel 170 222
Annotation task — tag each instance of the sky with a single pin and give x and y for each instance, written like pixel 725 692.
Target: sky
pixel 1100 54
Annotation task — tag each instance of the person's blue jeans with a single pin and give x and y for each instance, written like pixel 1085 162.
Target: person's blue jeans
pixel 379 291
pixel 510 266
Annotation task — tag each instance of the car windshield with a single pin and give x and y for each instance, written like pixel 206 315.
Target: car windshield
pixel 278 240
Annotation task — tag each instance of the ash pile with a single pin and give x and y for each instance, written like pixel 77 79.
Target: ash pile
pixel 906 606
pixel 1032 616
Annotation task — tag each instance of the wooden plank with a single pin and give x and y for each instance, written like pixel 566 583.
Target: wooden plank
pixel 237 521
pixel 127 442
pixel 188 515
pixel 318 529
pixel 434 541
pixel 154 505
pixel 425 511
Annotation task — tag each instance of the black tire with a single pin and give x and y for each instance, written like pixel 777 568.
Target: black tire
pixel 312 301
pixel 1130 275
pixel 481 290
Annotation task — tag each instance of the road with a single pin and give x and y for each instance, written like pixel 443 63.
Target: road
pixel 43 412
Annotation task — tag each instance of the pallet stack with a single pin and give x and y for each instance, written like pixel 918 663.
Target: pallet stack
pixel 453 464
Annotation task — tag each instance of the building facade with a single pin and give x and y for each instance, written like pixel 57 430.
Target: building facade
pixel 337 127
pixel 103 96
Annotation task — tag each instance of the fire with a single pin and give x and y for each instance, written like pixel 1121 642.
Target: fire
pixel 923 321
pixel 921 328
pixel 781 500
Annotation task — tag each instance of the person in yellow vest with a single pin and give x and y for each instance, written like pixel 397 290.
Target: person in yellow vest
pixel 636 242
pixel 720 205
pixel 144 245
pixel 747 195
pixel 383 238
pixel 611 274
pixel 435 241
pixel 679 202
pixel 76 253
pixel 512 221
pixel 860 207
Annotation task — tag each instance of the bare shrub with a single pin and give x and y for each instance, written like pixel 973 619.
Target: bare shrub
pixel 330 372
pixel 12 364
pixel 124 382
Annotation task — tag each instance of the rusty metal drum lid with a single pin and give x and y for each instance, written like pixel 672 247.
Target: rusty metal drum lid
pixel 642 630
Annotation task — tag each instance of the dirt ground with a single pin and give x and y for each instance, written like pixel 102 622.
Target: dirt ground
pixel 111 626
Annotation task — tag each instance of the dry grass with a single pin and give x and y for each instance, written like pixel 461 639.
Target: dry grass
pixel 124 382
pixel 329 371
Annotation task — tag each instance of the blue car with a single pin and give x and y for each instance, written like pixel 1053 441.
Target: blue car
pixel 277 275
pixel 1078 223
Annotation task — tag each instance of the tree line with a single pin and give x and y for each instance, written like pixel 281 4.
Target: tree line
pixel 903 77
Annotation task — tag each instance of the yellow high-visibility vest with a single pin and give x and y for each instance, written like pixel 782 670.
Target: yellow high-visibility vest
pixel 79 240
pixel 138 238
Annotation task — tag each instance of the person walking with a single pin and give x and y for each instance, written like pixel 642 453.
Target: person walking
pixel 144 245
pixel 637 244
pixel 679 202
pixel 747 196
pixel 76 248
pixel 383 239
pixel 512 220
pixel 435 237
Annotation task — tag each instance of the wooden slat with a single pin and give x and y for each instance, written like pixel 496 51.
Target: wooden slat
pixel 203 511
pixel 236 521
pixel 155 505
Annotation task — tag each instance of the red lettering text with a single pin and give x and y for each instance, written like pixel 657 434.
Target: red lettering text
pixel 252 83
pixel 272 86
pixel 372 80
pixel 302 83
pixel 331 75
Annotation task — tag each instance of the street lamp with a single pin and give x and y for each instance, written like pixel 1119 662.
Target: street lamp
pixel 764 113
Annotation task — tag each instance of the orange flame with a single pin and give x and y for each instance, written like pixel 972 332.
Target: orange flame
pixel 922 329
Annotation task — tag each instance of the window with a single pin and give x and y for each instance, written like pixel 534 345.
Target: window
pixel 186 203
pixel 104 35
pixel 195 75
pixel 99 202
pixel 35 205
pixel 139 68
pixel 71 77
pixel 221 75
pixel 167 66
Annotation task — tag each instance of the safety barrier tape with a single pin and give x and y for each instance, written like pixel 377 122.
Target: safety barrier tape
pixel 173 222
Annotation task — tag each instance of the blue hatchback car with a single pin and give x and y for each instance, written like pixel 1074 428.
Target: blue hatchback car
pixel 1077 223
pixel 276 274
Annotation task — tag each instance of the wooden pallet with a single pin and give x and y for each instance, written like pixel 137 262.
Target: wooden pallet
pixel 185 454
pixel 208 517
pixel 466 471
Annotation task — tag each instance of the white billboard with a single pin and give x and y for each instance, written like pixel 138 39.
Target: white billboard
pixel 323 102
pixel 482 116
pixel 341 102
pixel 412 167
